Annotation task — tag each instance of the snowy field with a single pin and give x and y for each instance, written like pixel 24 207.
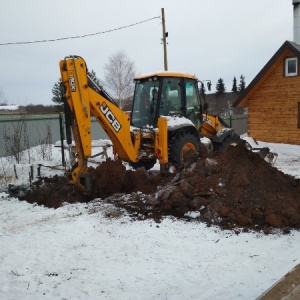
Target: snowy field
pixel 91 251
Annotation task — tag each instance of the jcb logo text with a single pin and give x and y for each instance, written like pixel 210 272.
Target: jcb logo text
pixel 72 83
pixel 110 117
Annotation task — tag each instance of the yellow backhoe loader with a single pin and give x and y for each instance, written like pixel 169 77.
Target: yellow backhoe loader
pixel 157 129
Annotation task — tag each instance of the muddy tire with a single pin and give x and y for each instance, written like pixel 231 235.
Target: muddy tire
pixel 147 164
pixel 230 140
pixel 179 143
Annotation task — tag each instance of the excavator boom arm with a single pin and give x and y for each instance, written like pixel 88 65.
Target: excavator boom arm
pixel 83 101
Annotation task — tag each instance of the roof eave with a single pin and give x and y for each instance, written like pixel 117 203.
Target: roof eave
pixel 242 100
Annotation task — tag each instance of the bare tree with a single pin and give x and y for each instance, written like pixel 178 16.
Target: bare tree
pixel 119 74
pixel 16 139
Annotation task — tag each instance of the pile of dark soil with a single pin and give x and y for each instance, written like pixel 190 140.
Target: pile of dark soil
pixel 234 188
pixel 237 188
pixel 109 178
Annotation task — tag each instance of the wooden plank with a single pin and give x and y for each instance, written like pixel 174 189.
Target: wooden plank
pixel 288 287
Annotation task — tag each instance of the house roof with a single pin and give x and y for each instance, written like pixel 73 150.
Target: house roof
pixel 286 46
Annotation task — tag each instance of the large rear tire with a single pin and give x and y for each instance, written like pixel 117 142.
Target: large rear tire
pixel 181 142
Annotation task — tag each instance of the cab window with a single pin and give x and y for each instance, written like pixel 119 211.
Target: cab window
pixel 144 110
pixel 171 96
pixel 192 102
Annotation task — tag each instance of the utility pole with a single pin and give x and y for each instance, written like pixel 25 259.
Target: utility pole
pixel 164 39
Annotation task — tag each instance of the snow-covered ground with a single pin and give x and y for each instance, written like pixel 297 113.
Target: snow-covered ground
pixel 92 251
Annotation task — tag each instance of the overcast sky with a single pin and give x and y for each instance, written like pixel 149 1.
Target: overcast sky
pixel 210 38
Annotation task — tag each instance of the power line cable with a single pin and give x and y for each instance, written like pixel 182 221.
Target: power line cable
pixel 80 36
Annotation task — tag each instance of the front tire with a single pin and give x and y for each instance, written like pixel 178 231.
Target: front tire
pixel 230 140
pixel 181 142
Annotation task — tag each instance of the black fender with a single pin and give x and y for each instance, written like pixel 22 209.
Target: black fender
pixel 182 124
pixel 186 129
pixel 222 135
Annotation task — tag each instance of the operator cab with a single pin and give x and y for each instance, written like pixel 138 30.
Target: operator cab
pixel 165 94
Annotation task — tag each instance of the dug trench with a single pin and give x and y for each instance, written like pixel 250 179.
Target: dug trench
pixel 233 189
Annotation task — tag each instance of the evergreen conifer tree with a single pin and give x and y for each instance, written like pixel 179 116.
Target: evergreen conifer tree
pixel 242 84
pixel 220 87
pixel 234 85
pixel 94 77
pixel 57 93
pixel 57 90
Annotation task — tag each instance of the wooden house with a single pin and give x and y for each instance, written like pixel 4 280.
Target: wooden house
pixel 273 98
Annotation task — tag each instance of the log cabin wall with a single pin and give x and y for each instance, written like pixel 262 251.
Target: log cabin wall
pixel 273 108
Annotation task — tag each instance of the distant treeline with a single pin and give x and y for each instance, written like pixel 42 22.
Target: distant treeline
pixel 32 109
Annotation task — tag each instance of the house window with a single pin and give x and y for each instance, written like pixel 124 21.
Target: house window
pixel 291 66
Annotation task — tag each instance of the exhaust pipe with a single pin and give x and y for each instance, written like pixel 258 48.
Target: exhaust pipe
pixel 296 4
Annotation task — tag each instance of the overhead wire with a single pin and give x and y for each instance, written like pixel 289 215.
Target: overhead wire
pixel 80 36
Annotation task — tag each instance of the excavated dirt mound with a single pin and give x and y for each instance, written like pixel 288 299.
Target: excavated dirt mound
pixel 235 188
pixel 109 178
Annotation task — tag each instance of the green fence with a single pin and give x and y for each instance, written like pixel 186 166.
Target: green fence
pixel 237 122
pixel 24 131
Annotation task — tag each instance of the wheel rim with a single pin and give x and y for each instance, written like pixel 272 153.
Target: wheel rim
pixel 188 146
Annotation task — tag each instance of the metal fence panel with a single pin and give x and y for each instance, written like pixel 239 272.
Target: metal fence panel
pixel 238 123
pixel 33 129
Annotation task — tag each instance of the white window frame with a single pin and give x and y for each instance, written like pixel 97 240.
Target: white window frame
pixel 287 60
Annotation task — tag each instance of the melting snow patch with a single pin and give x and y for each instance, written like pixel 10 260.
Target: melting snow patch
pixel 192 214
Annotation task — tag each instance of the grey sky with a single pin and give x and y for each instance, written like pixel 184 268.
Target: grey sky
pixel 210 38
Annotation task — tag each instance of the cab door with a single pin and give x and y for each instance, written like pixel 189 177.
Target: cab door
pixel 192 105
pixel 171 97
